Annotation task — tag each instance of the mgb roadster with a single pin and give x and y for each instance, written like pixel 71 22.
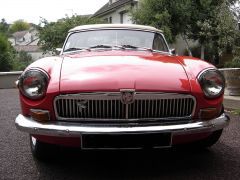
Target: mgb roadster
pixel 119 86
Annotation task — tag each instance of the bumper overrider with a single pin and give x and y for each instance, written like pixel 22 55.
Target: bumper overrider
pixel 66 129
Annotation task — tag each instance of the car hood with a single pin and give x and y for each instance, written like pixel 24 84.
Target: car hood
pixel 112 71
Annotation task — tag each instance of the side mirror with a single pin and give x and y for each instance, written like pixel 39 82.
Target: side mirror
pixel 58 50
pixel 173 51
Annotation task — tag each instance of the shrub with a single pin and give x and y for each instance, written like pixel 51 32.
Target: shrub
pixel 235 63
pixel 6 54
pixel 21 61
pixel 208 53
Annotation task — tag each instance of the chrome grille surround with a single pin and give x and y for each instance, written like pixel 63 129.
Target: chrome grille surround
pixel 107 106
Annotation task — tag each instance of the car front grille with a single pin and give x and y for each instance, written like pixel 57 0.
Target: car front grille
pixel 108 106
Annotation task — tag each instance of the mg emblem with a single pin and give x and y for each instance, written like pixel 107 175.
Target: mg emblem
pixel 127 96
pixel 81 105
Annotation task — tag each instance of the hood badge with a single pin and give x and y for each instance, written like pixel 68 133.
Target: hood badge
pixel 82 104
pixel 127 96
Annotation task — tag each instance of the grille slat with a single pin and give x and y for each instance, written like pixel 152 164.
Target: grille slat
pixel 70 108
pixel 110 107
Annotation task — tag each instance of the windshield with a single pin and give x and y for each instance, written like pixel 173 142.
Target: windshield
pixel 132 39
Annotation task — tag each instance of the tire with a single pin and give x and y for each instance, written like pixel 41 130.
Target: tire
pixel 210 140
pixel 40 150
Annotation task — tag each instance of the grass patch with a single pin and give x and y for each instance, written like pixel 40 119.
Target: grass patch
pixel 236 112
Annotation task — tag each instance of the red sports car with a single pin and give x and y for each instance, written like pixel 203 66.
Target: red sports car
pixel 120 86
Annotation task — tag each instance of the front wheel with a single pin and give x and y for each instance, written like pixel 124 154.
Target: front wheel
pixel 41 150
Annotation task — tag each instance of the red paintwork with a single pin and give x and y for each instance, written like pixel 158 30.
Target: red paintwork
pixel 112 70
pixel 142 72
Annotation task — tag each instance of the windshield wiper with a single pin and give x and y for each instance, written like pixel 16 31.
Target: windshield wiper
pixel 100 46
pixel 75 49
pixel 128 46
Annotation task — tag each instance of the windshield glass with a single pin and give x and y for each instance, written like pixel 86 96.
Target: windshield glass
pixel 115 38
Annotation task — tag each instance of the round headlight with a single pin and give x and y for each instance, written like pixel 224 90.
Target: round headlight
pixel 212 83
pixel 33 84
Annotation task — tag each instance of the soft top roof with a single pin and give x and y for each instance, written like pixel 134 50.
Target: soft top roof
pixel 114 26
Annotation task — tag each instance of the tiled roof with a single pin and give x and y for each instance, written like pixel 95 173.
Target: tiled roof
pixel 108 7
pixel 33 42
pixel 19 34
pixel 27 48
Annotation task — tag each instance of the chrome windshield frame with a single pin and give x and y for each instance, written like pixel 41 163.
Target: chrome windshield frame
pixel 130 29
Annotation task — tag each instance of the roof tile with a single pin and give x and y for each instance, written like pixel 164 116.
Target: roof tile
pixel 108 7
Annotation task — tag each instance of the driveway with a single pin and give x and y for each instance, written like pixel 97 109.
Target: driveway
pixel 222 161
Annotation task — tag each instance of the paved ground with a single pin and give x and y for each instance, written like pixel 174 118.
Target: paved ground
pixel 222 161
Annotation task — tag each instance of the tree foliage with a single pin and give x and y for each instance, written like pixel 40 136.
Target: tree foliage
pixel 21 61
pixel 4 27
pixel 170 16
pixel 6 54
pixel 210 22
pixel 235 63
pixel 214 23
pixel 53 34
pixel 19 25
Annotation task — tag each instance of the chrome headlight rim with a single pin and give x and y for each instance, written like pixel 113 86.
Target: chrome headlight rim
pixel 45 78
pixel 201 77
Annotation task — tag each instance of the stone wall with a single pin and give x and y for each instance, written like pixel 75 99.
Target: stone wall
pixel 8 79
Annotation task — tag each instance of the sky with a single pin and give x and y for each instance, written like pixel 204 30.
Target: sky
pixel 32 10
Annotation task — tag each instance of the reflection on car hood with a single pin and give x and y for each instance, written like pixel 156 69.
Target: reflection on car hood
pixel 112 71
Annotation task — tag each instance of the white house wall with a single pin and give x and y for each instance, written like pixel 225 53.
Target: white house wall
pixel 127 19
pixel 12 41
pixel 28 37
pixel 116 17
pixel 25 40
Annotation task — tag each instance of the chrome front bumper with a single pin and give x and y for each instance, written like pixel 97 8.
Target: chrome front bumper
pixel 63 129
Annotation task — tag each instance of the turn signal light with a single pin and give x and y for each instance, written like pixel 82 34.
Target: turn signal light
pixel 40 115
pixel 208 113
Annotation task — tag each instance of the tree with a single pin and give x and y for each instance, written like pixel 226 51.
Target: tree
pixel 200 20
pixel 235 8
pixel 3 26
pixel 213 26
pixel 171 16
pixel 53 34
pixel 6 55
pixel 21 61
pixel 19 25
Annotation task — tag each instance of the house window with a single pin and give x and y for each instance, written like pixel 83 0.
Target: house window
pixel 110 20
pixel 239 26
pixel 121 18
pixel 105 20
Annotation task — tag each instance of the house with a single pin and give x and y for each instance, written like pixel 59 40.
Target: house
pixel 21 37
pixel 24 37
pixel 27 41
pixel 117 11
